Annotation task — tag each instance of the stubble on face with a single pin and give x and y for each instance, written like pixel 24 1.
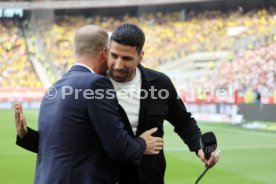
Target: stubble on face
pixel 122 62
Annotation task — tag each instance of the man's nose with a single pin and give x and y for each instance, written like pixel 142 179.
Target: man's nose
pixel 119 64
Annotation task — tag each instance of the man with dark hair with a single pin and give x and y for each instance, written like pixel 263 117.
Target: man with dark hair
pixel 140 92
pixel 144 108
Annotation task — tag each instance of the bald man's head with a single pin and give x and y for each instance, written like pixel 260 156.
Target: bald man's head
pixel 89 41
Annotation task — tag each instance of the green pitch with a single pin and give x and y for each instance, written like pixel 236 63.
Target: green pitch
pixel 247 156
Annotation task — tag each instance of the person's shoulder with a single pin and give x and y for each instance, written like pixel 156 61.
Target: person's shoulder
pixel 89 76
pixel 98 79
pixel 88 79
pixel 155 74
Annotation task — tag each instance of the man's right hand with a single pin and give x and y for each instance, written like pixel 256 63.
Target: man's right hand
pixel 20 122
pixel 154 144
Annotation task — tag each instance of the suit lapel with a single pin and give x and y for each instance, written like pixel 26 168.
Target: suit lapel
pixel 147 81
pixel 144 87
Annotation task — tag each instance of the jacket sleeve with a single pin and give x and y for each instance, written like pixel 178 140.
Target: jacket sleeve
pixel 184 125
pixel 104 116
pixel 30 141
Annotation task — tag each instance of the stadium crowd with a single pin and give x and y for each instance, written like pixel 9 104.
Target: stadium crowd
pixel 251 71
pixel 169 37
pixel 170 33
pixel 16 69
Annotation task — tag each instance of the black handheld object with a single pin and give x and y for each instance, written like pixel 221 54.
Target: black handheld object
pixel 202 174
pixel 208 144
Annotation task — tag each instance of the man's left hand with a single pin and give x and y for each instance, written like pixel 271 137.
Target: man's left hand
pixel 214 158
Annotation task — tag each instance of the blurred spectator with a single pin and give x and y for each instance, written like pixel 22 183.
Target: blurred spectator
pixel 257 96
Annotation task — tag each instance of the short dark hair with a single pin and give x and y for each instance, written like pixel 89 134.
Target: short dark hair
pixel 130 35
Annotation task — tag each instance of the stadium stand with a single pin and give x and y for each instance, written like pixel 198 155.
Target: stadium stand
pixel 168 33
pixel 16 69
pixel 170 36
pixel 248 72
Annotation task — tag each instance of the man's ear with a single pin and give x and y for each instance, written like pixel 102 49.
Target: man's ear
pixel 105 53
pixel 141 56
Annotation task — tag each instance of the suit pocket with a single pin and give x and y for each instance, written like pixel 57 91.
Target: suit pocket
pixel 154 117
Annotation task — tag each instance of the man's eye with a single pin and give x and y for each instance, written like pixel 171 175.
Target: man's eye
pixel 127 59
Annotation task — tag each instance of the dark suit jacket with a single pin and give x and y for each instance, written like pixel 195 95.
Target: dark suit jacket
pixel 81 140
pixel 152 113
